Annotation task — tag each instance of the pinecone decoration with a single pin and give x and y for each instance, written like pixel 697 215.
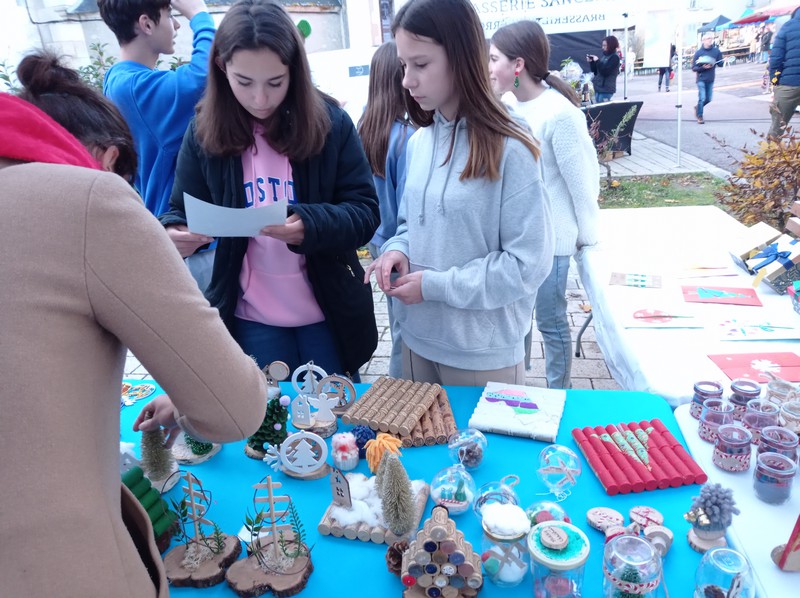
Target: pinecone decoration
pixel 713 592
pixel 394 556
pixel 273 429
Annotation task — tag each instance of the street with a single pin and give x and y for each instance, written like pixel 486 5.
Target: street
pixel 737 106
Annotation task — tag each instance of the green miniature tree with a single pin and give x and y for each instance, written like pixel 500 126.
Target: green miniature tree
pixel 461 492
pixel 630 574
pixel 157 459
pixel 396 496
pixel 380 475
pixel 273 428
pixel 198 447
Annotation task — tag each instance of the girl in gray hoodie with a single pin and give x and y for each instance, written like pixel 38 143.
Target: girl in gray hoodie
pixel 474 237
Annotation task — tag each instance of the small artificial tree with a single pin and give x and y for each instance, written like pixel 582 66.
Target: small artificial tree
pixel 630 574
pixel 157 459
pixel 714 508
pixel 396 496
pixel 273 428
pixel 198 447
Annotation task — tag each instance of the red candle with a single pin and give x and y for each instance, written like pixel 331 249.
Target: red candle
pixel 700 476
pixel 611 462
pixel 670 474
pixel 625 464
pixel 687 477
pixel 599 468
pixel 644 474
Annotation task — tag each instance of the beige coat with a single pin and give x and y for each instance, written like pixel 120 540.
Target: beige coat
pixel 85 271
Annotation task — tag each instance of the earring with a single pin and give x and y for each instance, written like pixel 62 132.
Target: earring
pixel 516 78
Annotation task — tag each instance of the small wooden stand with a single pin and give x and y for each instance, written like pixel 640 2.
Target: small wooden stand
pixel 183 453
pixel 247 578
pixel 703 545
pixel 209 573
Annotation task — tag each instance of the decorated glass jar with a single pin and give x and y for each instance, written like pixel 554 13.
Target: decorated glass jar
pixel 743 391
pixel 790 416
pixel 716 412
pixel 773 477
pixel 504 553
pixel 732 448
pixel 453 488
pixel 501 492
pixel 630 564
pixel 780 391
pixel 775 439
pixel 467 447
pixel 720 572
pixel 559 551
pixel 705 389
pixel 546 510
pixel 759 414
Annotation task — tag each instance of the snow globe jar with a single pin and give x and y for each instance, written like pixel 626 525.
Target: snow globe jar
pixel 773 478
pixel 558 554
pixel 716 412
pixel 503 550
pixel 467 447
pixel 546 510
pixel 705 389
pixel 743 391
pixel 501 492
pixel 630 564
pixel 723 572
pixel 775 439
pixel 732 448
pixel 453 488
pixel 759 414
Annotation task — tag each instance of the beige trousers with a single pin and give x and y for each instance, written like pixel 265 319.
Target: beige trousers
pixel 419 369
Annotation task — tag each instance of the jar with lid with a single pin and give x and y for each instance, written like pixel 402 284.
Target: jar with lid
pixel 501 492
pixel 723 572
pixel 790 416
pixel 759 414
pixel 732 448
pixel 773 477
pixel 716 412
pixel 504 552
pixel 559 551
pixel 630 564
pixel 780 391
pixel 775 439
pixel 743 391
pixel 705 389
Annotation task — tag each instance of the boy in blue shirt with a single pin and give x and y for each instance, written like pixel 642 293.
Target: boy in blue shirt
pixel 157 104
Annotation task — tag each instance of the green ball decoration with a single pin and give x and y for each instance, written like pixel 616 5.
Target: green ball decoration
pixel 305 28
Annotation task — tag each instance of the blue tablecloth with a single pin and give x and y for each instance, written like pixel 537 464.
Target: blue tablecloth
pixel 347 566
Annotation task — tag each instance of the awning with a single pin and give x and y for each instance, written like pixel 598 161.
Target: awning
pixel 765 14
pixel 715 24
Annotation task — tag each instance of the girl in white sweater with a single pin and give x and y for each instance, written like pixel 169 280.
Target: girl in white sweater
pixel 518 63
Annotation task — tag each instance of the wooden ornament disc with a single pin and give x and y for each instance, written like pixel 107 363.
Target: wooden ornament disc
pixel 702 545
pixel 554 537
pixel 314 475
pixel 601 518
pixel 209 573
pixel 646 516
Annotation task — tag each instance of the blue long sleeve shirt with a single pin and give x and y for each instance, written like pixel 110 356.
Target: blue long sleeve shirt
pixel 158 105
pixel 390 187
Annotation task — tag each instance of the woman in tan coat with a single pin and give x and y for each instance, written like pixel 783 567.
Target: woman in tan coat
pixel 86 271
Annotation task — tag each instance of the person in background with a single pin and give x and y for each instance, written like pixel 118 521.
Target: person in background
pixel 605 69
pixel 158 103
pixel 264 134
pixel 784 68
pixel 474 237
pixel 384 129
pixel 704 63
pixel 518 60
pixel 665 72
pixel 766 44
pixel 89 272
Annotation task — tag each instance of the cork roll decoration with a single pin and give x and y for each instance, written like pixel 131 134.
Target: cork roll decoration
pixel 440 562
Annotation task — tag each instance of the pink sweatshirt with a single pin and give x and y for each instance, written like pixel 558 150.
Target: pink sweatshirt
pixel 274 280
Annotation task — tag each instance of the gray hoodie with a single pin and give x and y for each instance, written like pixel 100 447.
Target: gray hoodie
pixel 484 246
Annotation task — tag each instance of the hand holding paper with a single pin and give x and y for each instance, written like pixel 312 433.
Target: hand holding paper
pixel 207 219
pixel 292 232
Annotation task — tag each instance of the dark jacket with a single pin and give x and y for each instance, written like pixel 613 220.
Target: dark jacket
pixel 766 40
pixel 703 74
pixel 605 69
pixel 339 208
pixel 784 63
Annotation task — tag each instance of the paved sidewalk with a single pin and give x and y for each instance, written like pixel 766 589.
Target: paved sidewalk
pixel 649 157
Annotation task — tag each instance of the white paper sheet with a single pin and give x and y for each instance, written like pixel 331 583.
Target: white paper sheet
pixel 215 221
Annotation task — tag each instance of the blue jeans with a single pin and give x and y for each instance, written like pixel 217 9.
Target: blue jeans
pixel 294 346
pixel 705 90
pixel 553 324
pixel 599 97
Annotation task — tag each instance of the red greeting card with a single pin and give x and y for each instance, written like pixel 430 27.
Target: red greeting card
pixel 754 366
pixel 726 295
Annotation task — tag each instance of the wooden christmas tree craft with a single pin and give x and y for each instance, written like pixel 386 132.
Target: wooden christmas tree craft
pixel 190 451
pixel 396 497
pixel 302 455
pixel 358 519
pixel 272 430
pixel 787 556
pixel 201 560
pixel 278 561
pixel 341 388
pixel 161 517
pixel 158 463
pixel 306 379
pixel 439 558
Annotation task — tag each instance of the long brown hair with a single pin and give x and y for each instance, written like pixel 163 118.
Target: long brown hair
pixel 454 25
pixel 299 126
pixel 385 105
pixel 527 40
pixel 93 119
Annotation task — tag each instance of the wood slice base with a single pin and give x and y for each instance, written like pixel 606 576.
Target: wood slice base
pixel 702 545
pixel 183 453
pixel 324 430
pixel 209 573
pixel 254 453
pixel 167 483
pixel 315 475
pixel 248 579
pixel 792 563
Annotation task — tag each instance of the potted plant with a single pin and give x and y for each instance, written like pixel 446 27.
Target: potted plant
pixel 711 514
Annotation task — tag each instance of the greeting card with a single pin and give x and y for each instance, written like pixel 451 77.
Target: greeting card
pixel 725 295
pixel 754 366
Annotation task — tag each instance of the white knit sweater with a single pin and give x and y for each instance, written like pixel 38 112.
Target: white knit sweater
pixel 570 169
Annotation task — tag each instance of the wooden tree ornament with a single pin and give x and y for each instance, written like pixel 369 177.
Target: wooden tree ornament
pixel 278 559
pixel 201 560
pixel 302 455
pixel 439 557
